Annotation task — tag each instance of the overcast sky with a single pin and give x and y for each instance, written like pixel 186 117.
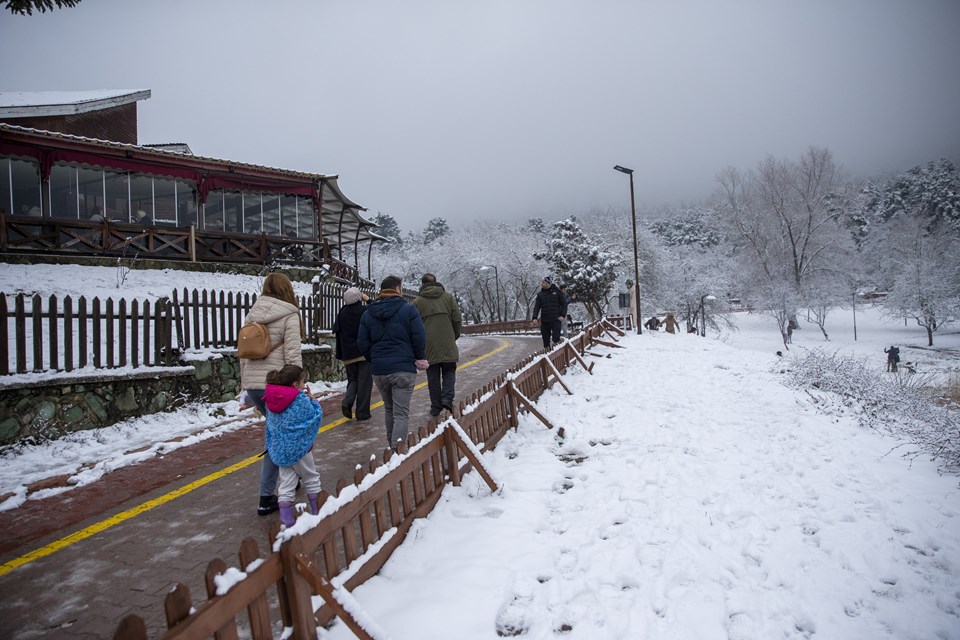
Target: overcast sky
pixel 515 108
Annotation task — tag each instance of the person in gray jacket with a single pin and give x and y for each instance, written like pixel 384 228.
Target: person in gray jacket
pixel 442 321
pixel 276 308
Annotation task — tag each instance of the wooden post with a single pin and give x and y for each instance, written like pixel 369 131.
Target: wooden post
pixel 258 611
pixel 453 460
pixel 298 591
pixel 217 567
pixel 309 573
pixel 472 457
pixel 193 243
pixel 521 399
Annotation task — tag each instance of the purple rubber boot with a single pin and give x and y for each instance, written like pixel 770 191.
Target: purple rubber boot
pixel 287 515
pixel 314 507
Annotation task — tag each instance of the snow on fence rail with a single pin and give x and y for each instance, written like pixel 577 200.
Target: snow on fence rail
pixel 359 526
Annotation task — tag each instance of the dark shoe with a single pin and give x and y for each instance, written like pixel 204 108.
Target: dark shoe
pixel 268 504
pixel 448 407
pixel 362 418
pixel 347 411
pixel 434 413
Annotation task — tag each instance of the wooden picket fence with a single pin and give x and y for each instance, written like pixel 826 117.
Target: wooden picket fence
pixel 63 334
pixel 367 518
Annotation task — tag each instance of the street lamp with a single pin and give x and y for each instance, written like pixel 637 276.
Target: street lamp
pixel 636 260
pixel 496 277
pixel 703 313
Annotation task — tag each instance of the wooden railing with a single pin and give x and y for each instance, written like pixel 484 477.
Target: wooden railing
pixel 366 519
pixel 26 234
pixel 512 326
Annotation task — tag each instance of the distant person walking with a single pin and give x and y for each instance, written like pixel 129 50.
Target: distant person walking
pixel 893 358
pixel 392 338
pixel 442 321
pixel 670 322
pixel 550 306
pixel 293 420
pixel 277 309
pixel 359 377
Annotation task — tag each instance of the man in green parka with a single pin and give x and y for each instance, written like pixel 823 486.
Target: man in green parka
pixel 442 320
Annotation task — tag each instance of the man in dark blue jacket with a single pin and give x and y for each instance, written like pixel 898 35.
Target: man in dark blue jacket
pixel 359 379
pixel 392 338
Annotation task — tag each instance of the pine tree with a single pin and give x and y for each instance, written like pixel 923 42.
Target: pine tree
pixel 436 228
pixel 26 7
pixel 388 228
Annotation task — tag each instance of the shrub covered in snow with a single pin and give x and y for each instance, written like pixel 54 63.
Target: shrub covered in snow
pixel 900 404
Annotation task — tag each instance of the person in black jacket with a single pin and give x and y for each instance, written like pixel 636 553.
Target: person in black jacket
pixel 551 305
pixel 359 378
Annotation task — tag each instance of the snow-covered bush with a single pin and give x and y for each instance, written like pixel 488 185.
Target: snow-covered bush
pixel 903 404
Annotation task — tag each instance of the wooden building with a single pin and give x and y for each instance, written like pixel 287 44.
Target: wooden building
pixel 70 194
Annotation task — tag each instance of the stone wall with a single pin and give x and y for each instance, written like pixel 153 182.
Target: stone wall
pixel 57 404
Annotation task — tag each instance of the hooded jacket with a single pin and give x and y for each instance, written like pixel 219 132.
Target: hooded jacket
pixel 346 328
pixel 391 336
pixel 550 305
pixel 293 421
pixel 283 322
pixel 441 321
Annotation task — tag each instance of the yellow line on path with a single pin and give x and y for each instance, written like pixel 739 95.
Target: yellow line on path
pixel 112 521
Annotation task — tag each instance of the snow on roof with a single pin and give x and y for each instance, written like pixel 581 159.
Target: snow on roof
pixel 22 104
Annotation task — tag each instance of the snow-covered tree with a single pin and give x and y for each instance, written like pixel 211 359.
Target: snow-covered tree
pixel 436 228
pixel 388 228
pixel 578 261
pixel 923 262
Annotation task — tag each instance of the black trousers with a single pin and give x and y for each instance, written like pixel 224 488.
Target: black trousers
pixel 359 387
pixel 441 382
pixel 550 331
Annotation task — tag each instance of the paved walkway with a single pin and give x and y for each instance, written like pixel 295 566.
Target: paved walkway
pixel 138 537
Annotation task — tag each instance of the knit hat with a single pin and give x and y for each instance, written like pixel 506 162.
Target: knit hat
pixel 548 279
pixel 351 295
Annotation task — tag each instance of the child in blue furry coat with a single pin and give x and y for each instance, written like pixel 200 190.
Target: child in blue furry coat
pixel 293 420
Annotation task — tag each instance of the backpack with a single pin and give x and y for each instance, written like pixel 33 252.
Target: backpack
pixel 253 342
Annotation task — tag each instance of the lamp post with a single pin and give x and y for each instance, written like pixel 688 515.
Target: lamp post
pixel 703 314
pixel 636 260
pixel 496 277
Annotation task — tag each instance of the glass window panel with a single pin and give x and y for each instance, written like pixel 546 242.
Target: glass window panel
pixel 186 203
pixel 213 211
pixel 118 196
pixel 252 212
pixel 25 185
pixel 232 211
pixel 141 198
pixel 91 194
pixel 288 207
pixel 271 214
pixel 6 193
pixel 164 201
pixel 306 217
pixel 63 192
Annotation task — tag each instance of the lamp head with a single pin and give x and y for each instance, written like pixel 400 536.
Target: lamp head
pixel 623 170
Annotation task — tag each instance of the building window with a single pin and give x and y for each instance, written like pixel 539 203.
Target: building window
pixel 306 217
pixel 165 202
pixel 91 194
pixel 271 214
pixel 213 211
pixel 64 192
pixel 186 203
pixel 232 211
pixel 252 212
pixel 24 193
pixel 141 199
pixel 288 207
pixel 116 189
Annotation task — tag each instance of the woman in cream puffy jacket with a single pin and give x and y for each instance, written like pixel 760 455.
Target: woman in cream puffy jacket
pixel 277 308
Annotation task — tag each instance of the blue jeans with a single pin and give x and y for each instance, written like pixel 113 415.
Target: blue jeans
pixel 269 472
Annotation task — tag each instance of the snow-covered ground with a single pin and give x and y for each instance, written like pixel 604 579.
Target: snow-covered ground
pixel 694 496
